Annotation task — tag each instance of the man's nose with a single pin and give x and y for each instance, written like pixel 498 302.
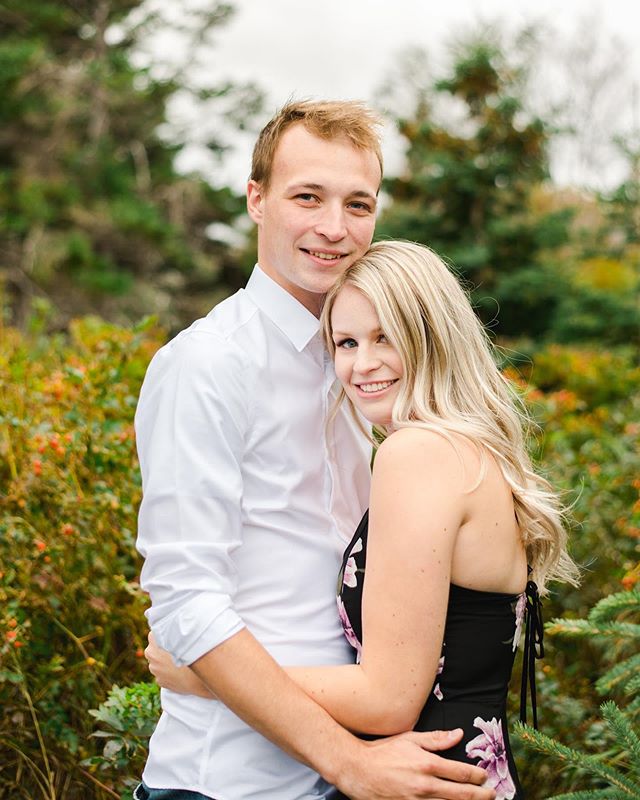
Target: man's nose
pixel 332 223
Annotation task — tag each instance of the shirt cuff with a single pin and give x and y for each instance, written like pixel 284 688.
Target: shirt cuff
pixel 185 636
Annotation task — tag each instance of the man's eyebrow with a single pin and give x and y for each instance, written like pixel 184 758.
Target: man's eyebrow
pixel 316 187
pixel 367 195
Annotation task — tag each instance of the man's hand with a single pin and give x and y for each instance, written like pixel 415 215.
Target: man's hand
pixel 179 679
pixel 404 768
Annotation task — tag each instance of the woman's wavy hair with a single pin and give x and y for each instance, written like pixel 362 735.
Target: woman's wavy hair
pixel 452 385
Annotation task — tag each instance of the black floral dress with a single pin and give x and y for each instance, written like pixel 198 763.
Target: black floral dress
pixel 481 636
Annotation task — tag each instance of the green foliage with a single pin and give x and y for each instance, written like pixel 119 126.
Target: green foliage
pixel 94 215
pixel 71 609
pixel 600 624
pixel 130 715
pixel 475 188
pixel 586 402
pixel 615 770
pixel 467 187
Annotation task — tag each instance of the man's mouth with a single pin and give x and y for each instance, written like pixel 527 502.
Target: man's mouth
pixel 323 256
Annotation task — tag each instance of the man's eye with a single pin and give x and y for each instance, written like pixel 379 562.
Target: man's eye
pixel 306 198
pixel 363 207
pixel 347 344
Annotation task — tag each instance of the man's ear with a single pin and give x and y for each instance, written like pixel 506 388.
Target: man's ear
pixel 255 196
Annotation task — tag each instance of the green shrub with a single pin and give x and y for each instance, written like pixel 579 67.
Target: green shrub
pixel 130 715
pixel 71 609
pixel 587 404
pixel 612 770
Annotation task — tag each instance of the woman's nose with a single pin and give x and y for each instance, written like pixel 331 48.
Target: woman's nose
pixel 366 360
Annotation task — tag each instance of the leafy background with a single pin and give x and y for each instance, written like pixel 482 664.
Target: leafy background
pixel 98 228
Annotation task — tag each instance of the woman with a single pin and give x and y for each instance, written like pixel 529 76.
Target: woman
pixel 458 526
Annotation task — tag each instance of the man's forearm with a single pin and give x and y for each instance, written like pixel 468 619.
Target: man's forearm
pixel 245 678
pixel 249 681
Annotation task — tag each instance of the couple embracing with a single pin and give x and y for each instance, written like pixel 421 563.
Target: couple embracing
pixel 258 499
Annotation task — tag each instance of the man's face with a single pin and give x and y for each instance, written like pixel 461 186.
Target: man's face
pixel 318 214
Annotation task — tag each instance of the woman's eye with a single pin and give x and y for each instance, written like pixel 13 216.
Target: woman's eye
pixel 383 339
pixel 347 344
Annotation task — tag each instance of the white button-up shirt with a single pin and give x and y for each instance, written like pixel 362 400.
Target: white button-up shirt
pixel 248 501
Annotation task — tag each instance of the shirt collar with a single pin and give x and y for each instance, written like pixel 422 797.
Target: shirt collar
pixel 296 322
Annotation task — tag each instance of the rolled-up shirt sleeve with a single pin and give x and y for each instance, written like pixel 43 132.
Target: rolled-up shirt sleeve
pixel 191 421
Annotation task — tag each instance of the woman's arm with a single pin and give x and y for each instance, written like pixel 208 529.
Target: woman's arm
pixel 417 507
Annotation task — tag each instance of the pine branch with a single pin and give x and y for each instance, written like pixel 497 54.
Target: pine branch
pixel 620 674
pixel 613 604
pixel 624 733
pixel 590 764
pixel 633 685
pixel 582 628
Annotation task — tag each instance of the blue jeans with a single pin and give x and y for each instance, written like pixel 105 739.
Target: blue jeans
pixel 143 792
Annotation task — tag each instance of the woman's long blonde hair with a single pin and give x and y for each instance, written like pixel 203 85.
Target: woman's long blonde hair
pixel 452 385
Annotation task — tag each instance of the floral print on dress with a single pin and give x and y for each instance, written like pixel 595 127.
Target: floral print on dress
pixel 520 608
pixel 489 748
pixel 348 629
pixel 349 578
pixel 436 689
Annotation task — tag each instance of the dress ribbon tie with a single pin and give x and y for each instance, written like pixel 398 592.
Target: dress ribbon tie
pixel 533 649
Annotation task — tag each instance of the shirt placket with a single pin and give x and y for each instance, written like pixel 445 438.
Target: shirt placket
pixel 323 360
pixel 331 391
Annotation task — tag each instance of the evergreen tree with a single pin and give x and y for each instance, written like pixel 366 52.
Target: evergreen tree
pixel 622 205
pixel 93 215
pixel 604 268
pixel 467 189
pixel 614 771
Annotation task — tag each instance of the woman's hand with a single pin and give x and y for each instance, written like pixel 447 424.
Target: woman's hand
pixel 179 679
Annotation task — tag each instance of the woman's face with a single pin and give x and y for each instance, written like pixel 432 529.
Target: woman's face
pixel 367 365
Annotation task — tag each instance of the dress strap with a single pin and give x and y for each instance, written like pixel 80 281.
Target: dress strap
pixel 533 649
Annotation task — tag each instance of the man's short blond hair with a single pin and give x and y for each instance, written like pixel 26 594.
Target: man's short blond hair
pixel 326 119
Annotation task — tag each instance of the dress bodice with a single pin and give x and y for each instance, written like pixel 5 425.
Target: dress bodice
pixel 481 636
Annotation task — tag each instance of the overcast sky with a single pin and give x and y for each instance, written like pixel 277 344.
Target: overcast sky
pixel 346 48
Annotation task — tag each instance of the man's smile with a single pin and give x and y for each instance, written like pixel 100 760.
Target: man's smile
pixel 323 255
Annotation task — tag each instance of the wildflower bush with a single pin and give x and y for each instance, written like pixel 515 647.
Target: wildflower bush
pixel 71 610
pixel 587 403
pixel 72 629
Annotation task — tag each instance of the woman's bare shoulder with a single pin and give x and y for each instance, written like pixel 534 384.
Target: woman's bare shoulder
pixel 429 449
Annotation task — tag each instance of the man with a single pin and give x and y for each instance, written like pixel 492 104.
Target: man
pixel 249 498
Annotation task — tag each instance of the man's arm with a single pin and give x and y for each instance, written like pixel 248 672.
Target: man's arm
pixel 396 767
pixel 190 425
pixel 243 675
